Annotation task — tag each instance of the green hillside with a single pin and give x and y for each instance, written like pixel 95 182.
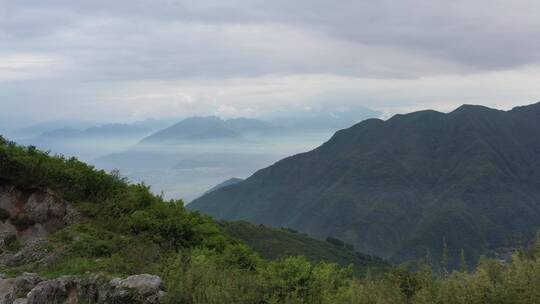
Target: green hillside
pixel 275 243
pixel 403 187
pixel 119 229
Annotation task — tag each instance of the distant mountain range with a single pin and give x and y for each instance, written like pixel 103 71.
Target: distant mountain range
pixel 106 130
pixel 401 188
pixel 209 128
pixel 35 130
pixel 215 128
pixel 81 138
pixel 73 129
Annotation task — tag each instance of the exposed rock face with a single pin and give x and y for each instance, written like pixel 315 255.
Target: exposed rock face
pixel 34 214
pixel 30 289
pixel 28 216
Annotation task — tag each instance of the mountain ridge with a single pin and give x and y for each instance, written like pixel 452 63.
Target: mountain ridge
pixel 393 188
pixel 200 128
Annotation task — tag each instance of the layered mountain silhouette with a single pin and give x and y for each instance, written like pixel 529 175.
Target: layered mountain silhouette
pixel 401 188
pixel 106 130
pixel 208 128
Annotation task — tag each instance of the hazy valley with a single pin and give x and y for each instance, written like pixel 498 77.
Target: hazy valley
pixel 183 158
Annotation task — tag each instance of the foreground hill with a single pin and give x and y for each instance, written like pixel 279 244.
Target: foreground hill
pixel 401 188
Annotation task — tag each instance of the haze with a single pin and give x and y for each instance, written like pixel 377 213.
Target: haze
pixel 81 64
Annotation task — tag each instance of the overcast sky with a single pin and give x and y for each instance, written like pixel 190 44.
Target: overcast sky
pixel 127 60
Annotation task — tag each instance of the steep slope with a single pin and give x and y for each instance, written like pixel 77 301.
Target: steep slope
pixel 397 188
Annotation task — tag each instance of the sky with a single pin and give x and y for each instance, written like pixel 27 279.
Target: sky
pixel 129 60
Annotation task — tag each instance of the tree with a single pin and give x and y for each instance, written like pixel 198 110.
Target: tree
pixel 409 282
pixel 462 261
pixel 537 247
pixel 444 258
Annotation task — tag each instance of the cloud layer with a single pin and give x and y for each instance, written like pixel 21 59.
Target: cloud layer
pixel 132 59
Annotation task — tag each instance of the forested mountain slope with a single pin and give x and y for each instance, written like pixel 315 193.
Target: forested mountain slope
pixel 274 243
pixel 399 188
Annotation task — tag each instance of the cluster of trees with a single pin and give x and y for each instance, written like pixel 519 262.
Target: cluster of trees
pixel 130 230
pixel 204 277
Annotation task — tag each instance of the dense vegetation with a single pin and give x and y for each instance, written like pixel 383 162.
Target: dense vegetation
pixel 294 280
pixel 275 243
pixel 129 230
pixel 403 187
pixel 122 218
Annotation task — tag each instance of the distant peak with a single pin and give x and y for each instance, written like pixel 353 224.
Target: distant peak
pixel 417 114
pixel 531 106
pixel 472 108
pixel 203 118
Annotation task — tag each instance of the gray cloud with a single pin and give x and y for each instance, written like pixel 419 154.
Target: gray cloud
pixel 170 39
pixel 85 54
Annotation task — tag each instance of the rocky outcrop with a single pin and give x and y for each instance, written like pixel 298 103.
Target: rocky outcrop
pixel 143 288
pixel 96 289
pixel 14 289
pixel 27 217
pixel 34 214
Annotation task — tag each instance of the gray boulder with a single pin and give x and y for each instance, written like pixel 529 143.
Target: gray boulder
pixel 57 291
pixel 142 288
pixel 136 289
pixel 7 291
pixel 12 289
